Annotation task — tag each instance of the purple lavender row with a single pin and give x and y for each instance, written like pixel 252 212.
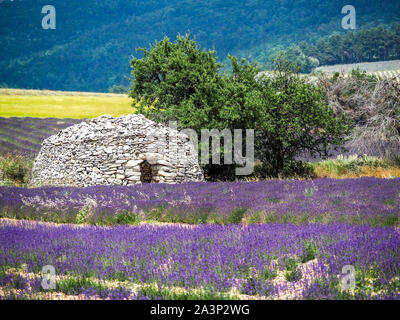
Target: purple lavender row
pixel 362 201
pixel 39 123
pixel 37 120
pixel 31 289
pixel 7 147
pixel 23 134
pixel 24 129
pixel 37 128
pixel 20 141
pixel 213 257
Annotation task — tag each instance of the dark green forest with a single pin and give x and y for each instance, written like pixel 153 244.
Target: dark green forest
pixel 365 45
pixel 94 40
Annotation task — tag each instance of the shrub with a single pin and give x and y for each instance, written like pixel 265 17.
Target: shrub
pixel 293 117
pixel 298 169
pixel 373 105
pixel 126 217
pixel 237 215
pixel 292 272
pixel 293 169
pixel 15 169
pixel 353 165
pixel 85 215
pixel 309 251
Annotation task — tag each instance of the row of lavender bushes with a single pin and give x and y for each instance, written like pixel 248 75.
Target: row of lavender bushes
pixel 24 136
pixel 370 201
pixel 205 262
pixel 15 169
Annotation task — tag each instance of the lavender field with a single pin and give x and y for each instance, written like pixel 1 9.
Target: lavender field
pixel 370 201
pixel 199 150
pixel 265 261
pixel 25 135
pixel 278 239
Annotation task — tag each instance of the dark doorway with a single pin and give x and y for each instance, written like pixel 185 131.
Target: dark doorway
pixel 145 172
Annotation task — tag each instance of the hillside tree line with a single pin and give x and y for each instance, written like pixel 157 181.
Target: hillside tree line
pixel 365 45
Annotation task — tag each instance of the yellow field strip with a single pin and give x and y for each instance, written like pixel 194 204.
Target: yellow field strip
pixel 57 106
pixel 32 92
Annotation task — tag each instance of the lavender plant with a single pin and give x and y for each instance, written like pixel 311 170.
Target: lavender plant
pixel 357 201
pixel 25 135
pixel 200 262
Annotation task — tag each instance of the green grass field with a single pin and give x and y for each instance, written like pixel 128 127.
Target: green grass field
pixel 56 104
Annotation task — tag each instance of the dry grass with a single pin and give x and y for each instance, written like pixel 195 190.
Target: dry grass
pixel 365 171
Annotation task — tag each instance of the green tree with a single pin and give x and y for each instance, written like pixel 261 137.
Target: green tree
pixel 177 80
pixel 295 55
pixel 180 81
pixel 118 89
pixel 295 117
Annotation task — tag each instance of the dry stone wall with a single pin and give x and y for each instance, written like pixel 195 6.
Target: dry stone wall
pixel 123 151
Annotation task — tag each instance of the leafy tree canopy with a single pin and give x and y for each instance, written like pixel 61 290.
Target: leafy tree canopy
pixel 295 118
pixel 178 80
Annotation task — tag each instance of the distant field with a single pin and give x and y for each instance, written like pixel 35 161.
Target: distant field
pixel 59 104
pixel 381 68
pixel 25 135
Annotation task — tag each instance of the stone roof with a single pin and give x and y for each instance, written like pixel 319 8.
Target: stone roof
pixel 106 126
pixel 107 150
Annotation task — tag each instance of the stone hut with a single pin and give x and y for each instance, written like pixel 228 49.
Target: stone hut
pixel 116 151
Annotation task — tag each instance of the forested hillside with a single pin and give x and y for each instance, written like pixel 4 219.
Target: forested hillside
pixel 364 45
pixel 94 40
